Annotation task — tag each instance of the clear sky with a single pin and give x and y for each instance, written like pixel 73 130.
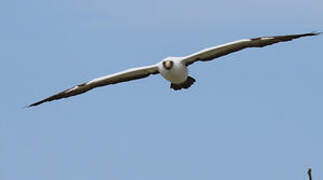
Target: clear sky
pixel 256 114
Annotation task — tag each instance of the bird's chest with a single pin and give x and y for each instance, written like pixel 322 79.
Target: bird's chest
pixel 177 74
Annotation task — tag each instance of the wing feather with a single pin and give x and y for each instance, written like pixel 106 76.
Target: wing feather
pixel 222 50
pixel 128 75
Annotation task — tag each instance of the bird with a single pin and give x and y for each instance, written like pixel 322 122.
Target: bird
pixel 174 69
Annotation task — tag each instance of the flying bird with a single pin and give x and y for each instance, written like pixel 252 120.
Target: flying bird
pixel 173 69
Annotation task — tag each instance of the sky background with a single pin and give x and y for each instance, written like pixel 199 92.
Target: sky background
pixel 256 114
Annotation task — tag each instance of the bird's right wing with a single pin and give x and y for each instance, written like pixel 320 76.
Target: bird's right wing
pixel 127 75
pixel 222 50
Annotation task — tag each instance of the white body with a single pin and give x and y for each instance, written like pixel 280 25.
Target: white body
pixel 177 74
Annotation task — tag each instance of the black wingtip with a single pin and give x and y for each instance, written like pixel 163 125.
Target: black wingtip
pixel 315 33
pixel 27 106
pixel 35 104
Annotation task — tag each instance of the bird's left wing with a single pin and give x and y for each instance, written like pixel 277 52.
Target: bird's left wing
pixel 127 75
pixel 222 50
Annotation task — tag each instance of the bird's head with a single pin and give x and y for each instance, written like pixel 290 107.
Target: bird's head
pixel 168 64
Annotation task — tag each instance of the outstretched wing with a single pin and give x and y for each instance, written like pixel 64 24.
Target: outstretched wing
pixel 127 75
pixel 222 50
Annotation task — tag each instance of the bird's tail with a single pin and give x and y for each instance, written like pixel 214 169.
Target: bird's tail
pixel 188 83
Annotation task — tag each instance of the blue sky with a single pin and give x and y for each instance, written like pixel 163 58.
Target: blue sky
pixel 255 114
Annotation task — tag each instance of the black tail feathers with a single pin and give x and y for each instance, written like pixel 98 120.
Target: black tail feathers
pixel 188 83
